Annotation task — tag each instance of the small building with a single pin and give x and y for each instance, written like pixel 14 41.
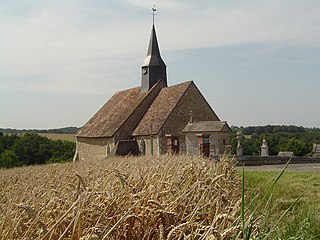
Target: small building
pixel 316 150
pixel 285 154
pixel 206 138
pixel 153 118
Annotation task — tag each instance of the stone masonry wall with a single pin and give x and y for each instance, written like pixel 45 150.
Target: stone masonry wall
pixel 151 145
pixel 193 101
pixel 216 143
pixel 93 148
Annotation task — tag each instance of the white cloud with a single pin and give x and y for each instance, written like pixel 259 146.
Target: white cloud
pixel 65 53
pixel 268 22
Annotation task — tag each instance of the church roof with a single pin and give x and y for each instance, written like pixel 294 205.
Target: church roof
pixel 160 109
pixel 112 114
pixel 153 57
pixel 207 126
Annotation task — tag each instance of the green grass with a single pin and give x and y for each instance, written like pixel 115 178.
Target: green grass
pixel 295 196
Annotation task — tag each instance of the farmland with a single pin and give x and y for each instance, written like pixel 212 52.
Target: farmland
pixel 57 136
pixel 122 198
pixel 168 197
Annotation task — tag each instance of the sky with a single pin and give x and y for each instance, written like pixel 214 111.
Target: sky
pixel 256 62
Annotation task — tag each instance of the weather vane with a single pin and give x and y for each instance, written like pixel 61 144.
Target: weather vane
pixel 153 12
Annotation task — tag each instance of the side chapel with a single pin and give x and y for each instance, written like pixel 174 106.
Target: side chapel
pixel 154 118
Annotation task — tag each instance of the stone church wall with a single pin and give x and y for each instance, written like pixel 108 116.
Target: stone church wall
pixel 148 145
pixel 191 101
pixel 93 148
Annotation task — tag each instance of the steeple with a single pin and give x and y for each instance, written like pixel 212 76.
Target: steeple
pixel 153 68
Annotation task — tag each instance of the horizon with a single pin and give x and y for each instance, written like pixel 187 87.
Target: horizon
pixel 256 63
pixel 46 129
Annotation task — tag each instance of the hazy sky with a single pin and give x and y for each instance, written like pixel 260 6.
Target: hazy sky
pixel 256 62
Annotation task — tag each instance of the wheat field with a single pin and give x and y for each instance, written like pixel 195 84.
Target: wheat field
pixel 61 136
pixel 168 197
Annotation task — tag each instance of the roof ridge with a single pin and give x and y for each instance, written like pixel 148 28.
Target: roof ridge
pixel 146 94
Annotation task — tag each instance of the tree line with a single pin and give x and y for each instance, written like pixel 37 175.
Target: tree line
pixel 298 140
pixel 31 148
pixel 65 130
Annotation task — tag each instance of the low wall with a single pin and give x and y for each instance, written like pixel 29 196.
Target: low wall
pixel 274 160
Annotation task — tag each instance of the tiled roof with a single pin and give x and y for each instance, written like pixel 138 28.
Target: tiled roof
pixel 161 108
pixel 206 126
pixel 113 114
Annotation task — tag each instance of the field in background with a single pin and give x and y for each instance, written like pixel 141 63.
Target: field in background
pixel 56 136
pixel 169 197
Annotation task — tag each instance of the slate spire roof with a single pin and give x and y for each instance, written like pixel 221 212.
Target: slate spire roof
pixel 153 57
pixel 153 67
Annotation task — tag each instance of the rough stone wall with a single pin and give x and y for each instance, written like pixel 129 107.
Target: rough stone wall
pixel 151 144
pixel 222 141
pixel 163 144
pixel 191 101
pixel 192 144
pixel 127 128
pixel 217 146
pixel 93 148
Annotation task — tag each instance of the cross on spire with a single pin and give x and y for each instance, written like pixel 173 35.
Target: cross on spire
pixel 153 13
pixel 153 67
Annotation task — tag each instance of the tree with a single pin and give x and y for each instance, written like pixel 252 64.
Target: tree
pixel 32 149
pixel 7 141
pixel 62 151
pixel 9 159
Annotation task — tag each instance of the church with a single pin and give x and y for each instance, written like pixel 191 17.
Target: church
pixel 154 118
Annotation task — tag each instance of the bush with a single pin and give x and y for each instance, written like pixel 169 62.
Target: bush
pixel 30 148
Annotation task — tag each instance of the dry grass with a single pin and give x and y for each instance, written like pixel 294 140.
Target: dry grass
pixel 122 198
pixel 57 136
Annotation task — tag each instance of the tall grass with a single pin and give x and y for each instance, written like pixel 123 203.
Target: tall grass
pixel 176 197
pixel 286 204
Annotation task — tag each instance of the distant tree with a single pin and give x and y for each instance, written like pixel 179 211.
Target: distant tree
pixel 297 146
pixel 32 149
pixel 279 138
pixel 62 151
pixel 9 159
pixel 7 141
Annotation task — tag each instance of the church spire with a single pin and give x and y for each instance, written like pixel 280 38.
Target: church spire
pixel 153 67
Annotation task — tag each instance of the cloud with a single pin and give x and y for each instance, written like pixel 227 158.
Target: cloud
pixel 85 47
pixel 263 22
